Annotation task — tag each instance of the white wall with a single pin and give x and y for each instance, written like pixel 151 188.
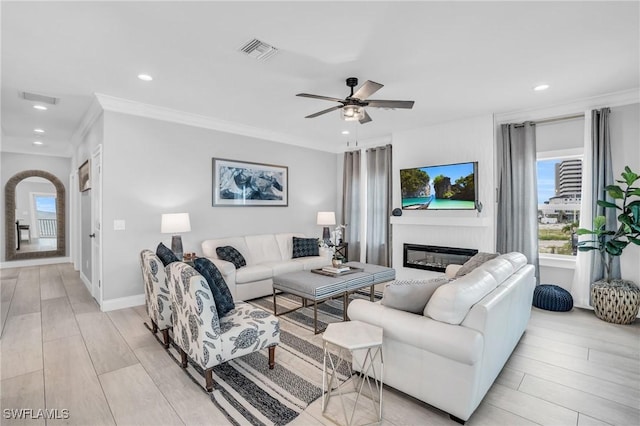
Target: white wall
pixel 152 167
pixel 625 150
pixel 455 142
pixel 13 163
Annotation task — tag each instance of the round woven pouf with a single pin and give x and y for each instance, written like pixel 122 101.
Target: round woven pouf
pixel 616 302
pixel 552 298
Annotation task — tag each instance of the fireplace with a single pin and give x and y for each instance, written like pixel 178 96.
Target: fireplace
pixel 434 258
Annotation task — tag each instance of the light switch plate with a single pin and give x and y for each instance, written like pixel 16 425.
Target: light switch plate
pixel 118 225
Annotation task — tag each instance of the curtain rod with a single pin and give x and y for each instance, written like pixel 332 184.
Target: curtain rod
pixel 552 120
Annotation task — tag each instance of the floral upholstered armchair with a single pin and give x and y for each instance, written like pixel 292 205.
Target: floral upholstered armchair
pixel 207 339
pixel 156 294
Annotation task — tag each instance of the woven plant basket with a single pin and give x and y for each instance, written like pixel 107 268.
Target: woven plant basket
pixel 616 302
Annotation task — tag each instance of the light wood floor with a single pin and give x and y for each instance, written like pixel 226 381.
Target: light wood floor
pixel 60 352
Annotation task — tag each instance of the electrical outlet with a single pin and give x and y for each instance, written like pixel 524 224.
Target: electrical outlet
pixel 119 225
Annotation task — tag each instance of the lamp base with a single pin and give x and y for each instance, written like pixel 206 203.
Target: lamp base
pixel 326 235
pixel 176 246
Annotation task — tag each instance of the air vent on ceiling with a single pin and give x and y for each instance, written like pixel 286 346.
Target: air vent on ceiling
pixel 39 98
pixel 258 49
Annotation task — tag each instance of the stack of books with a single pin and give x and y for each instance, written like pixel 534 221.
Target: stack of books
pixel 334 270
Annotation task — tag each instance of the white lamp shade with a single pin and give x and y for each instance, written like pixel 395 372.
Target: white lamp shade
pixel 326 218
pixel 175 223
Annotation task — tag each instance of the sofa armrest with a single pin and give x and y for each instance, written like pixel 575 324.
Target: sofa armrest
pixel 228 271
pixel 451 270
pixel 455 342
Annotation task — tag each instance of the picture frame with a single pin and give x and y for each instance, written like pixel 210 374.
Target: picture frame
pixel 84 177
pixel 247 184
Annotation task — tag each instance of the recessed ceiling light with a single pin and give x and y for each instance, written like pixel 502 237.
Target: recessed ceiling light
pixel 145 77
pixel 38 143
pixel 40 107
pixel 541 87
pixel 38 130
pixel 345 132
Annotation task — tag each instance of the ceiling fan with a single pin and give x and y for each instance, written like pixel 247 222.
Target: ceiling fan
pixel 353 105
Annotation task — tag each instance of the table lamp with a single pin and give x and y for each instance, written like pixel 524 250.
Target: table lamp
pixel 325 219
pixel 175 223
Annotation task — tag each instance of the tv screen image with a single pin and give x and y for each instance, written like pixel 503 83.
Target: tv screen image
pixel 442 187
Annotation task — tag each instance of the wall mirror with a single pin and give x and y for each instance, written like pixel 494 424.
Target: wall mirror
pixel 34 216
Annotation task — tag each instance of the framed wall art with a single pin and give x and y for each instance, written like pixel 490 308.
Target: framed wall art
pixel 84 178
pixel 242 183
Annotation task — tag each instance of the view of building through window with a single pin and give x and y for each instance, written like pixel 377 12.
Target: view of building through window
pixel 559 196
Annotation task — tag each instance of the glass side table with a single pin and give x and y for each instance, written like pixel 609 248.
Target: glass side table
pixel 348 337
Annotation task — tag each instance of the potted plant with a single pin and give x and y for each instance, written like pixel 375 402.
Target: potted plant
pixel 615 300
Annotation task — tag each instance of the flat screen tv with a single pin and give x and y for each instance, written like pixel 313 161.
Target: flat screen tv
pixel 443 187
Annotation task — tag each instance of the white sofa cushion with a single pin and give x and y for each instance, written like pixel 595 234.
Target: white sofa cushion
pixel 263 248
pixel 284 266
pixel 285 244
pixel 313 262
pixel 251 273
pixel 410 295
pixel 500 269
pixel 518 260
pixel 451 302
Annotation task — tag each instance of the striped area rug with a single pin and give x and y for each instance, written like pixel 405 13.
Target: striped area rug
pixel 249 393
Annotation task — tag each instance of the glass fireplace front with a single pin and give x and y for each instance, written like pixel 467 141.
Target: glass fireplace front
pixel 434 258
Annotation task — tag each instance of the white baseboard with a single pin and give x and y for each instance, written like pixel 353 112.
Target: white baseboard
pixel 34 262
pixel 123 302
pixel 86 281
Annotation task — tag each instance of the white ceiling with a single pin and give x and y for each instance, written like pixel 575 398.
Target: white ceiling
pixel 455 59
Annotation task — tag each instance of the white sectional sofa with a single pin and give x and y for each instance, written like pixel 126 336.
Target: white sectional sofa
pixel 450 356
pixel 266 256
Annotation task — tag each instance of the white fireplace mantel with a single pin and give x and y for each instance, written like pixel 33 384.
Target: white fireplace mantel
pixel 480 222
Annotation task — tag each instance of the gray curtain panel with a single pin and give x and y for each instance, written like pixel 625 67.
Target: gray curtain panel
pixel 517 223
pixel 379 205
pixel 351 202
pixel 601 177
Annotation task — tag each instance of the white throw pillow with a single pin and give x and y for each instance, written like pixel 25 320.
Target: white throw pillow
pixel 411 295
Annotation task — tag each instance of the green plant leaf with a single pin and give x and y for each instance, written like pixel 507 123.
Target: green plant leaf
pixel 599 222
pixel 607 204
pixel 635 192
pixel 635 241
pixel 629 176
pixel 615 192
pixel 612 249
pixel 583 231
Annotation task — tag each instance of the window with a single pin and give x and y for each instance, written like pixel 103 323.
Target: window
pixel 559 196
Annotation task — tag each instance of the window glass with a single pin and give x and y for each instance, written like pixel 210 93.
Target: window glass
pixel 559 196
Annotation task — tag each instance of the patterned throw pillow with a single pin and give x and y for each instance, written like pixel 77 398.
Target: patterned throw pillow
pixel 303 247
pixel 474 262
pixel 221 294
pixel 166 255
pixel 411 295
pixel 232 255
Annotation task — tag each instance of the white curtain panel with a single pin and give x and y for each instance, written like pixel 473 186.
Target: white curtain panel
pixel 582 276
pixel 351 209
pixel 379 205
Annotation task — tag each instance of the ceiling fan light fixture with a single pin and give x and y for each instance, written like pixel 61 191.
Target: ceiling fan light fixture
pixel 352 113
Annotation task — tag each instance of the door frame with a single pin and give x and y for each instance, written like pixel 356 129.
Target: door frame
pixel 96 225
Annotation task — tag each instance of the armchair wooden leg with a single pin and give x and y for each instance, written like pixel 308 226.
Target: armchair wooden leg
pixel 183 358
pixel 165 338
pixel 272 357
pixel 208 377
pixel 154 327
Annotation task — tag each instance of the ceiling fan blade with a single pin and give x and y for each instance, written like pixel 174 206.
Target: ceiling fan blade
pixel 367 89
pixel 324 111
pixel 366 118
pixel 326 98
pixel 390 104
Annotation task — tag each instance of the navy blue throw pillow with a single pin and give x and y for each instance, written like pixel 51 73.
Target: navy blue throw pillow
pixel 166 255
pixel 232 255
pixel 303 247
pixel 221 294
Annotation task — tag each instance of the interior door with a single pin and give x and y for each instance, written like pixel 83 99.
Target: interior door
pixel 96 225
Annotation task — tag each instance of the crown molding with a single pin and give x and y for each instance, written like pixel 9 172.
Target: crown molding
pixel 625 97
pixel 88 119
pixel 125 106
